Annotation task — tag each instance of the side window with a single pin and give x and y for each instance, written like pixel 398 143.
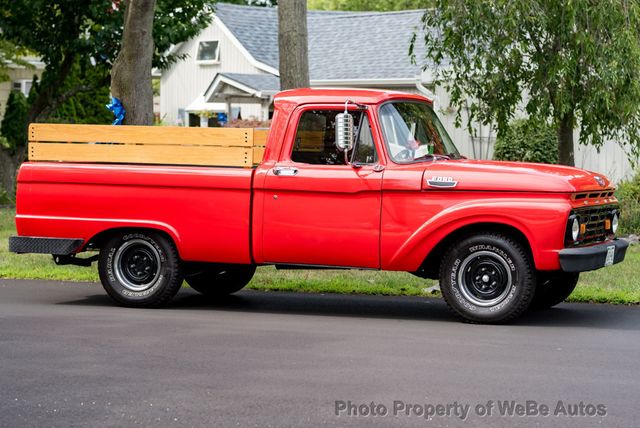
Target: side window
pixel 365 149
pixel 315 140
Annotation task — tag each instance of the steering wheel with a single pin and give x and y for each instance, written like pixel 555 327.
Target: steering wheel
pixel 405 155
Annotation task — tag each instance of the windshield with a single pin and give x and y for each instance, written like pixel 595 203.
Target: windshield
pixel 413 133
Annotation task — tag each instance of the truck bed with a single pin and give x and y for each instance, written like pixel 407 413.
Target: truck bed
pixel 208 207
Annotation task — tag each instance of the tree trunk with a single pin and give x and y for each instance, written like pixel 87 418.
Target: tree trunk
pixel 131 71
pixel 292 44
pixel 565 140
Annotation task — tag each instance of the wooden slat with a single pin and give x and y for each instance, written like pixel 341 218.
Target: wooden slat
pixel 121 153
pixel 310 141
pixel 258 155
pixel 260 137
pixel 156 135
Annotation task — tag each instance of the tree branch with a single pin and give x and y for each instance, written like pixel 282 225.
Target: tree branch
pixel 60 99
pixel 48 90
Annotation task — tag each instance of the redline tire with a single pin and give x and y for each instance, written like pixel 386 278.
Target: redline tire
pixel 487 278
pixel 554 288
pixel 221 280
pixel 140 269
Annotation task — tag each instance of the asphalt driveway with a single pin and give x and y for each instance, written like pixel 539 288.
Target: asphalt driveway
pixel 68 357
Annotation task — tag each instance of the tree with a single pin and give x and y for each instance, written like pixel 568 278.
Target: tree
pixel 62 31
pixel 86 106
pixel 68 33
pixel 577 62
pixel 292 44
pixel 131 71
pixel 12 127
pixel 14 138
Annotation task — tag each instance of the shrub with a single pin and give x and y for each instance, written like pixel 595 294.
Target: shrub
pixel 248 123
pixel 6 198
pixel 14 123
pixel 527 141
pixel 628 194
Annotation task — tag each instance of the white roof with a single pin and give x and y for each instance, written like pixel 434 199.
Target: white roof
pixel 199 104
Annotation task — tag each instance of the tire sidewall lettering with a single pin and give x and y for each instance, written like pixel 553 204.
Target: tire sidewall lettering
pixel 119 287
pixel 455 287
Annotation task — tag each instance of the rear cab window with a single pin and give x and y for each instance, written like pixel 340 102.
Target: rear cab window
pixel 315 140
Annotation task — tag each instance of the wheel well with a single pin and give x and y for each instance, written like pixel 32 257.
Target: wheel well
pixel 99 239
pixel 430 267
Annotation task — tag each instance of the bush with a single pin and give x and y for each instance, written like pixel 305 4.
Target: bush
pixel 628 194
pixel 527 141
pixel 14 123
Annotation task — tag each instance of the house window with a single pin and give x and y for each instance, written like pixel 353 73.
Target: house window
pixel 208 52
pixel 23 86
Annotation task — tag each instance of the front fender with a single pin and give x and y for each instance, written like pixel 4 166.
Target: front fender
pixel 541 221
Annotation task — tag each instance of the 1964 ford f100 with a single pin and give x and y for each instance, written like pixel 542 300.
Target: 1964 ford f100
pixel 345 179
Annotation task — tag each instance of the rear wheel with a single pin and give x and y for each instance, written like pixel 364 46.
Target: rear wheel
pixel 140 269
pixel 554 288
pixel 220 280
pixel 487 278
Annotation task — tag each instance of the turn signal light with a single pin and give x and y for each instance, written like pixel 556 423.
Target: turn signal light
pixel 607 224
pixel 583 228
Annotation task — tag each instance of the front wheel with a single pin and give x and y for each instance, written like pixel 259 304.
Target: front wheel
pixel 487 278
pixel 140 269
pixel 220 280
pixel 554 288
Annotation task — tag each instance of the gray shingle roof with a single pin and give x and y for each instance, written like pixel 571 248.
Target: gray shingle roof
pixel 342 45
pixel 259 82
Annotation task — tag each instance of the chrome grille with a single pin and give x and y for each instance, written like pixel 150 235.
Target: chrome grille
pixel 594 219
pixel 606 193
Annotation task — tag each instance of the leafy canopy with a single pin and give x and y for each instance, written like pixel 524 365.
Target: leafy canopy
pixel 57 28
pixel 578 62
pixel 69 32
pixel 10 54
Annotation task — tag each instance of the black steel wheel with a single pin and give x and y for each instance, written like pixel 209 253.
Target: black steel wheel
pixel 140 269
pixel 487 278
pixel 213 279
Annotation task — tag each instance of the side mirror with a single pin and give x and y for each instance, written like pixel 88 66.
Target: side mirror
pixel 344 130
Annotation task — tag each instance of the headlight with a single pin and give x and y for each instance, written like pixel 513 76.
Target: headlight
pixel 614 222
pixel 575 229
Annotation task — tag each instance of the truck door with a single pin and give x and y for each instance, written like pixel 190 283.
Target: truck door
pixel 318 209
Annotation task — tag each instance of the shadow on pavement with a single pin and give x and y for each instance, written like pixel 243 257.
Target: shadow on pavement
pixel 391 307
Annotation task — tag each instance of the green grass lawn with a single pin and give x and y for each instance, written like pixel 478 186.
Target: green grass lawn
pixel 618 284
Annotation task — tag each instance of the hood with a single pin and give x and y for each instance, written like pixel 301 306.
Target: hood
pixel 511 176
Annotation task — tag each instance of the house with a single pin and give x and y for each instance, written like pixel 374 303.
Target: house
pixel 232 66
pixel 20 79
pixel 231 71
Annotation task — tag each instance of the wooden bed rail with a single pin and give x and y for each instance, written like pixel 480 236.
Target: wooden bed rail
pixel 167 145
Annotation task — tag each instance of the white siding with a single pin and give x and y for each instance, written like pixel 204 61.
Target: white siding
pixel 186 79
pixel 14 74
pixel 611 161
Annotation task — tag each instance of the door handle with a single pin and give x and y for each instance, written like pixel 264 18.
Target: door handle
pixel 285 171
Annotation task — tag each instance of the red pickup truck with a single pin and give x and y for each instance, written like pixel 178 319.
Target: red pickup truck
pixel 356 179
